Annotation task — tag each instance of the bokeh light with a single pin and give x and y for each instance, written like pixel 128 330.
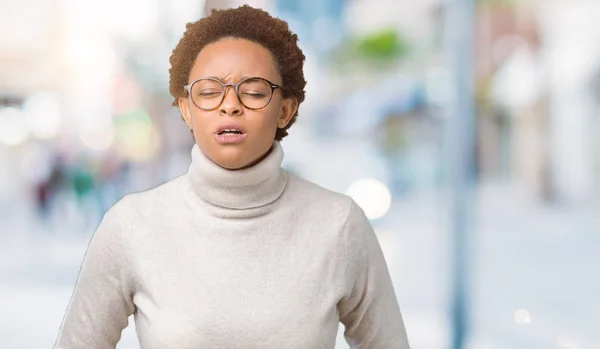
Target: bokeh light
pixel 14 129
pixel 522 317
pixel 99 139
pixel 136 137
pixel 372 196
pixel 43 115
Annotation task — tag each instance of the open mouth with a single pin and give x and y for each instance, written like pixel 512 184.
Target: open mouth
pixel 230 131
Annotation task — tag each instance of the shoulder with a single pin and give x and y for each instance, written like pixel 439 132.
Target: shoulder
pixel 161 193
pixel 319 201
pixel 315 193
pixel 336 212
pixel 143 203
pixel 330 204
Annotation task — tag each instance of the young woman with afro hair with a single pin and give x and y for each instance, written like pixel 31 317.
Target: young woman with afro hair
pixel 237 252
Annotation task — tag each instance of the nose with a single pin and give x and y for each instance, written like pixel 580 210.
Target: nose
pixel 231 104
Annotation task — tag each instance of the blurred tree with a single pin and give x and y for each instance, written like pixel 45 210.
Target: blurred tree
pixel 385 45
pixel 378 49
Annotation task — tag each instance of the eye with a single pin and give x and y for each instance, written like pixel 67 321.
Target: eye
pixel 208 93
pixel 254 94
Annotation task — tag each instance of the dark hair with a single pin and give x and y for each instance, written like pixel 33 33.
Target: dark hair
pixel 248 23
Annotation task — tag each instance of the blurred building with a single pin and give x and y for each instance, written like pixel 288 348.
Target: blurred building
pixel 537 117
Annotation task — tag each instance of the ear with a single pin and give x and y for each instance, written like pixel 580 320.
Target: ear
pixel 184 108
pixel 289 106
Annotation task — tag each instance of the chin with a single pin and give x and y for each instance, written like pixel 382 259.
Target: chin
pixel 232 165
pixel 234 156
pixel 231 159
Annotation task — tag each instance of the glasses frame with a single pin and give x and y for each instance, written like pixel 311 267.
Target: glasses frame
pixel 188 88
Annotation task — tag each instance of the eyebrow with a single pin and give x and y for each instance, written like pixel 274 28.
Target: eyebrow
pixel 223 79
pixel 243 77
pixel 217 77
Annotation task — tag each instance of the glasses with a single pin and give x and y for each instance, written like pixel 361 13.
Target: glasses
pixel 253 93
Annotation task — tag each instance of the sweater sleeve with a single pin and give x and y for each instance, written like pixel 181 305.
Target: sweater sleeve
pixel 103 296
pixel 370 311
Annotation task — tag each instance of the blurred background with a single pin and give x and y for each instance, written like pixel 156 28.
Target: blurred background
pixel 86 117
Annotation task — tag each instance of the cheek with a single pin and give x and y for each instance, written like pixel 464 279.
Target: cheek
pixel 266 118
pixel 274 113
pixel 203 118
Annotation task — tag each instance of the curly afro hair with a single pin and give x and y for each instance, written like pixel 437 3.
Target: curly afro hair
pixel 248 23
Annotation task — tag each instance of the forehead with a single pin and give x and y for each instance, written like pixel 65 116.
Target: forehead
pixel 233 59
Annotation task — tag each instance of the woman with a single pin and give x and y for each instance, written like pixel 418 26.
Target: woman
pixel 237 252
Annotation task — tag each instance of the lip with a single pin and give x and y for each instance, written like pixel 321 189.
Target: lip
pixel 229 126
pixel 230 138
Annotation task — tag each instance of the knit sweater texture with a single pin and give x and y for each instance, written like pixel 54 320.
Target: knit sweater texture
pixel 253 258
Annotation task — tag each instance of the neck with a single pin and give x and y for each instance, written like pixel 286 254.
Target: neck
pixel 250 187
pixel 255 161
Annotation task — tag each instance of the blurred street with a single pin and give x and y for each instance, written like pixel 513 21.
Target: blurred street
pixel 390 119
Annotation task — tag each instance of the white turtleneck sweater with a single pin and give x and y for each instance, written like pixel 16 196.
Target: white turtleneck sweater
pixel 254 258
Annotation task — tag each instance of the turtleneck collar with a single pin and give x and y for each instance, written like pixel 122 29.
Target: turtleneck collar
pixel 246 189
